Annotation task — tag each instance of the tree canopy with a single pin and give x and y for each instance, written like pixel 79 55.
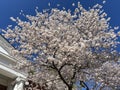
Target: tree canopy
pixel 61 48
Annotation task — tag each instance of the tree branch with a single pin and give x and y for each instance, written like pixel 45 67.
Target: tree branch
pixel 74 72
pixel 82 82
pixel 64 65
pixel 59 73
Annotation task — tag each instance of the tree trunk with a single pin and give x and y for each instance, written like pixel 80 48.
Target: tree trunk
pixel 69 88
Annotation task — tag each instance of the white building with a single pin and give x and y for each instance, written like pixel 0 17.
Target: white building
pixel 8 75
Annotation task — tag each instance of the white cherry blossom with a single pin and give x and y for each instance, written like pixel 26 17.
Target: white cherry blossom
pixel 62 48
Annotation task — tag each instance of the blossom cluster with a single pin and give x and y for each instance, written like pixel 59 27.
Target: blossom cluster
pixel 64 47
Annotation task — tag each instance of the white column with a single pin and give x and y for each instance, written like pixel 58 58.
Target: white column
pixel 19 84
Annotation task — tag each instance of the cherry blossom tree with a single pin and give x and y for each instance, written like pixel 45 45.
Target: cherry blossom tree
pixel 61 48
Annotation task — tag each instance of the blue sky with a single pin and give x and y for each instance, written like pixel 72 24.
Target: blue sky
pixel 10 8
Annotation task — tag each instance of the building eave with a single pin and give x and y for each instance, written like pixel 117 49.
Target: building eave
pixel 11 73
pixel 8 57
pixel 6 45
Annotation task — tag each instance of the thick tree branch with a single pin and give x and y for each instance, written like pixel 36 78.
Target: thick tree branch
pixel 84 84
pixel 59 73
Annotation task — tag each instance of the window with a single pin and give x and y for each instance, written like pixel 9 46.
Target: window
pixel 2 87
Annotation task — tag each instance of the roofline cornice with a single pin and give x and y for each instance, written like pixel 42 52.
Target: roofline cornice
pixel 8 57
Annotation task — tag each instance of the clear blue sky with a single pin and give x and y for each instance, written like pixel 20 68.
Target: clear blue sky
pixel 10 8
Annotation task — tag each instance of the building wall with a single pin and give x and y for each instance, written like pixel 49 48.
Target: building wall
pixel 6 81
pixel 8 75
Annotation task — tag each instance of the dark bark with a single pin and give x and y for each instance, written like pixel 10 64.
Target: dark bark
pixel 85 85
pixel 70 88
pixel 61 77
pixel 70 84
